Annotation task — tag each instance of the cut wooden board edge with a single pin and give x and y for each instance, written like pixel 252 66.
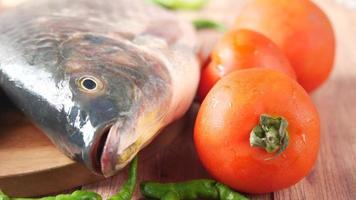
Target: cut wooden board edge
pixel 24 149
pixel 30 164
pixel 47 182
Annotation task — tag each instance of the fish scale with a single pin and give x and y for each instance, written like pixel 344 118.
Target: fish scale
pixel 99 78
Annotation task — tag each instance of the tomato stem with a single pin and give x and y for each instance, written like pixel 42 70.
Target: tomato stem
pixel 271 134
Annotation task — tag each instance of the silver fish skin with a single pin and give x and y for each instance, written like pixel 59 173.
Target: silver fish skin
pixel 100 78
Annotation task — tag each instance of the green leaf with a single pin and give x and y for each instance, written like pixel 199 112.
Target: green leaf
pixel 181 4
pixel 200 24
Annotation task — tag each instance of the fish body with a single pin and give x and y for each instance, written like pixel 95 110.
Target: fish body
pixel 100 78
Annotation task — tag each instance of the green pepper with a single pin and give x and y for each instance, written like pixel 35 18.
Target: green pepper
pixel 195 189
pixel 181 4
pixel 127 190
pixel 200 24
pixel 225 193
pixel 76 195
pixel 3 196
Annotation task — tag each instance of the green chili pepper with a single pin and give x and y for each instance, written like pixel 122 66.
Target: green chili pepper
pixel 195 189
pixel 181 4
pixel 127 190
pixel 208 24
pixel 3 196
pixel 76 195
pixel 225 193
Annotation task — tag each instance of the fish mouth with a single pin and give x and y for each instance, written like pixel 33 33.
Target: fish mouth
pixel 97 150
pixel 111 153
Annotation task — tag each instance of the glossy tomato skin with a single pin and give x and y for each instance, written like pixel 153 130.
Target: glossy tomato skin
pixel 301 30
pixel 242 49
pixel 229 113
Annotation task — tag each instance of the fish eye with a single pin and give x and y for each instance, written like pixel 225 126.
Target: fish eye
pixel 89 84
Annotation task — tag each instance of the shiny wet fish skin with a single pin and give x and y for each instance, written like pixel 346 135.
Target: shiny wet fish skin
pixel 100 78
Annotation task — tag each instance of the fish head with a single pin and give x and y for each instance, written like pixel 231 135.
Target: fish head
pixel 120 96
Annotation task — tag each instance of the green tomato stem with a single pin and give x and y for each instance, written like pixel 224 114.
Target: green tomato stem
pixel 270 134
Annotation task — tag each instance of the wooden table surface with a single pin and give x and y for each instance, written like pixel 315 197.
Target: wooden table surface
pixel 334 176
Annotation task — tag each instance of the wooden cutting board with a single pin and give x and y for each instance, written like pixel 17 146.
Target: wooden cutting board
pixel 30 165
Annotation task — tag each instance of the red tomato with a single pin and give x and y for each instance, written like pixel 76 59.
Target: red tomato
pixel 301 30
pixel 232 111
pixel 242 49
